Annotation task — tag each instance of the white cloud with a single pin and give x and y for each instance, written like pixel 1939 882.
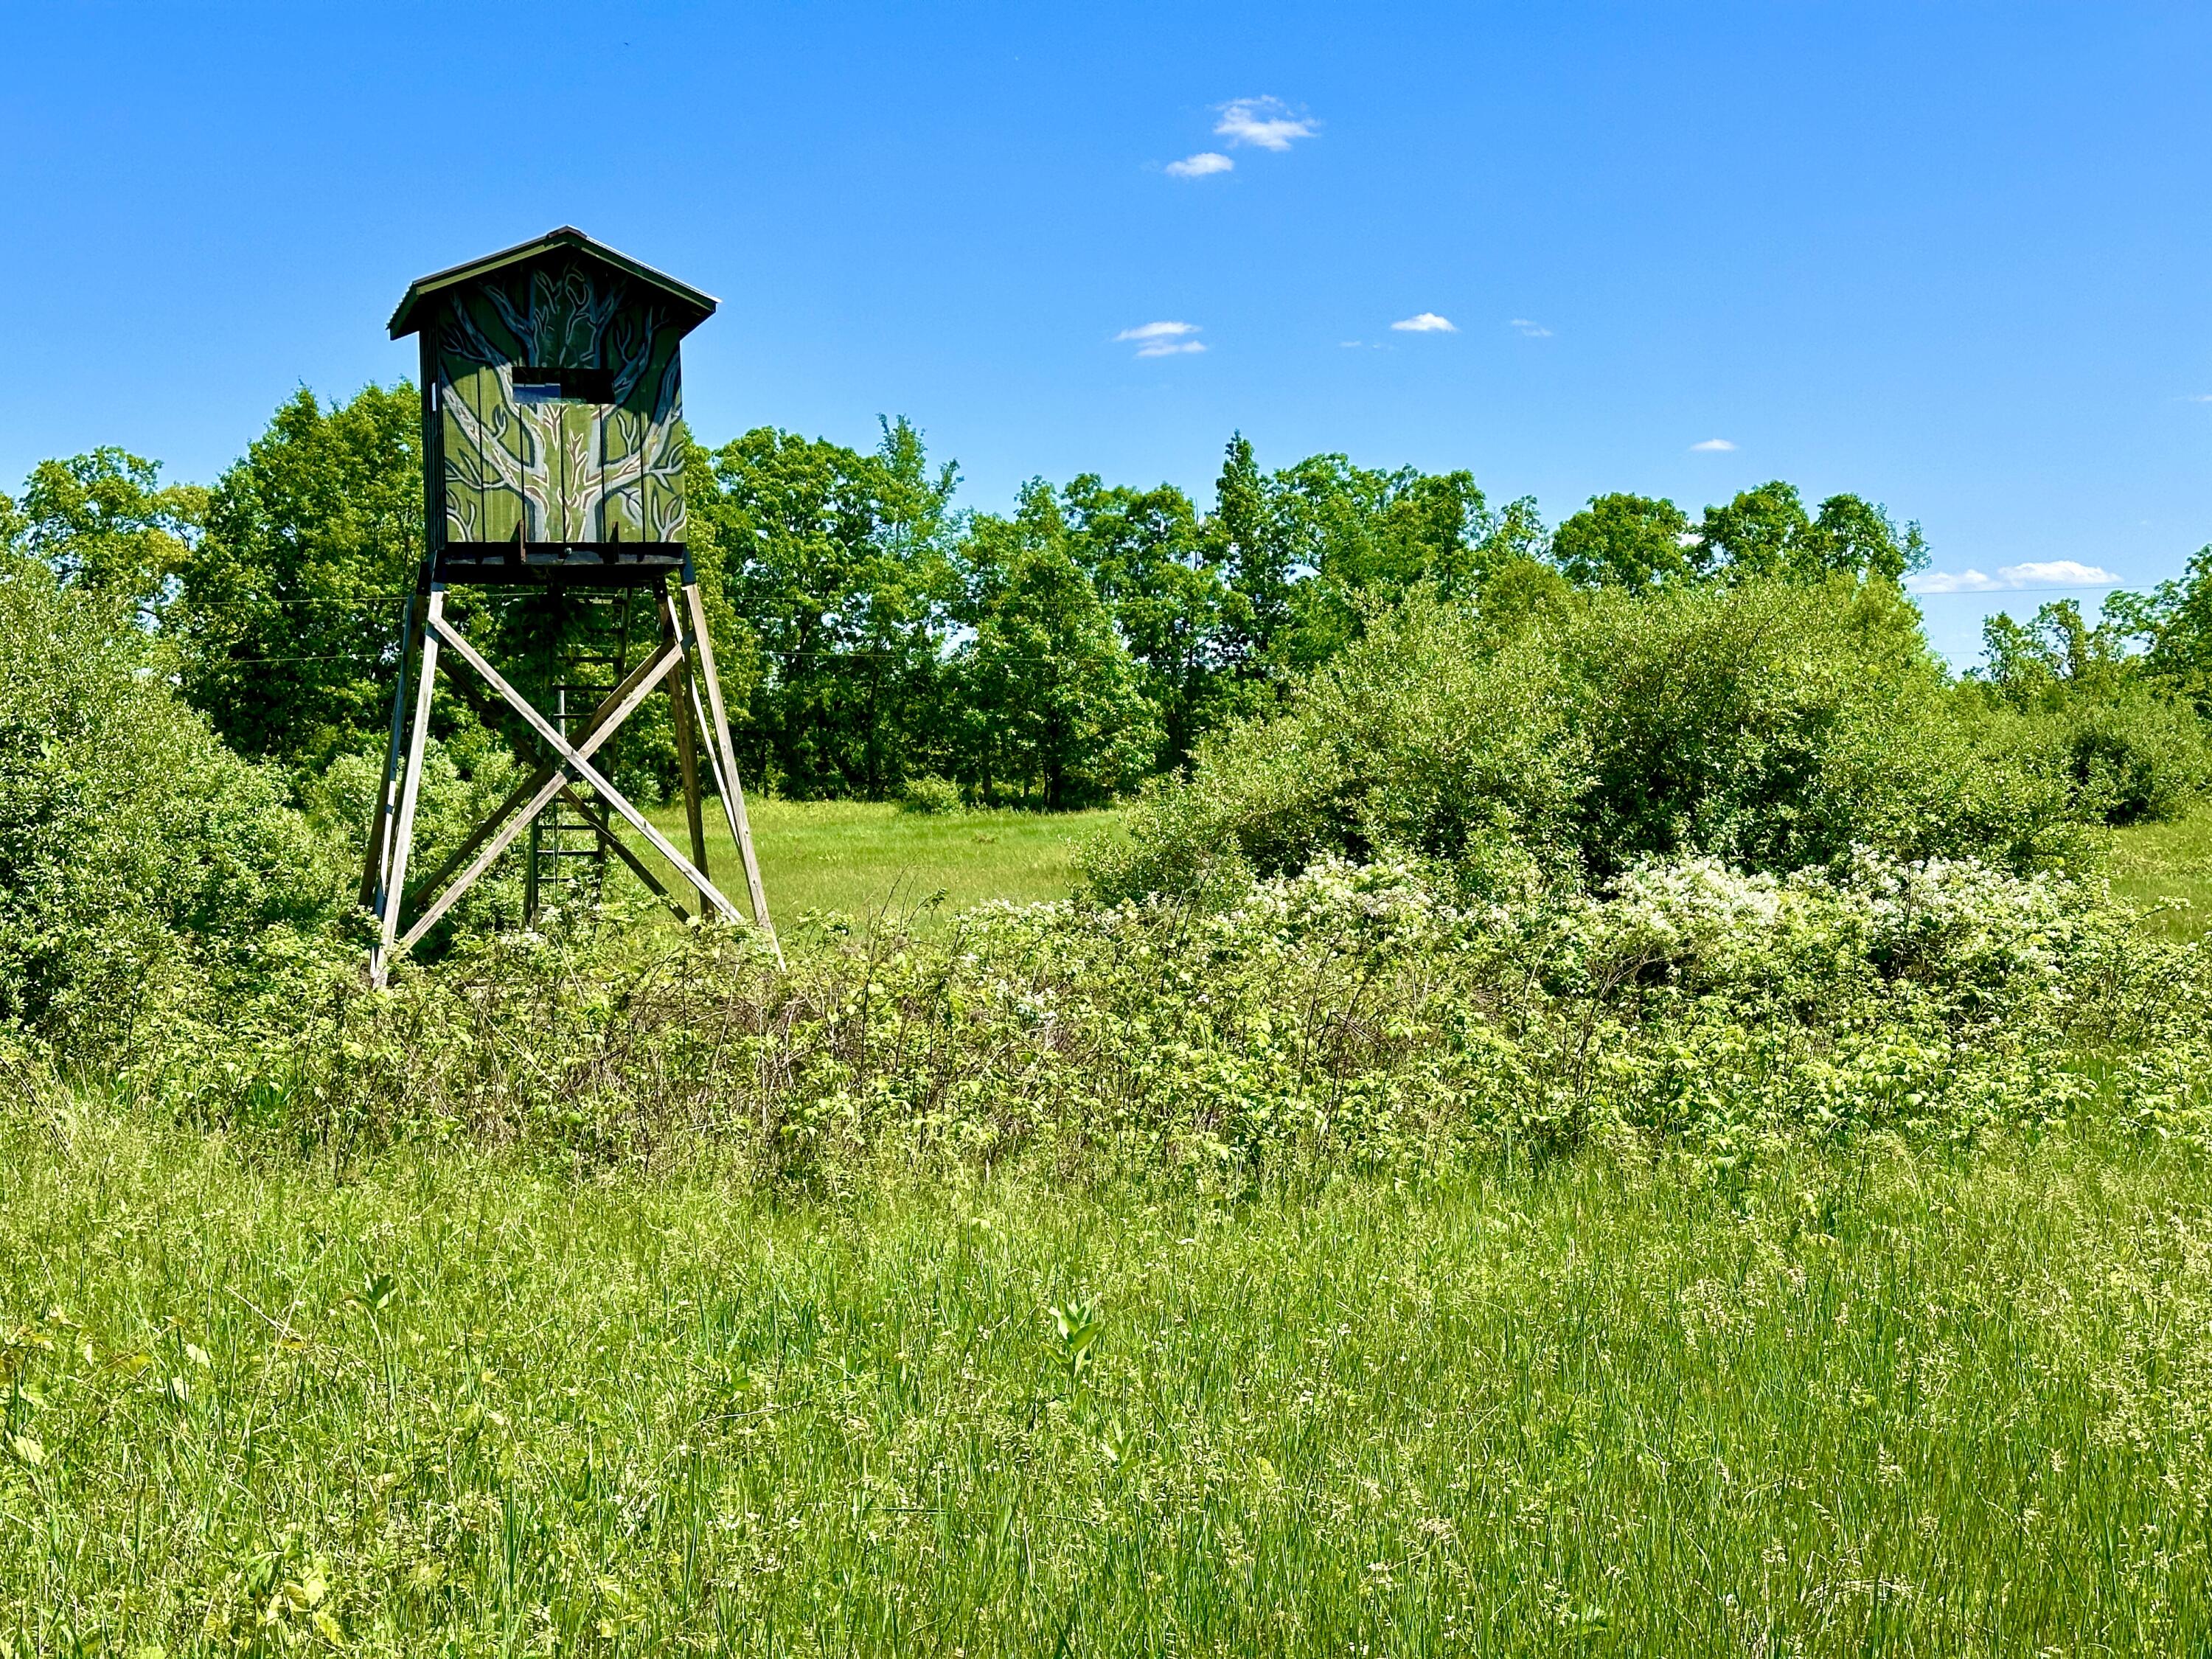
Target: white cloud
pixel 1713 447
pixel 1533 331
pixel 1198 166
pixel 1425 322
pixel 2036 572
pixel 1962 582
pixel 1163 339
pixel 2056 573
pixel 1266 122
pixel 2199 397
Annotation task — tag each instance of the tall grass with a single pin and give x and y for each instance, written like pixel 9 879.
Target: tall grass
pixel 1897 1402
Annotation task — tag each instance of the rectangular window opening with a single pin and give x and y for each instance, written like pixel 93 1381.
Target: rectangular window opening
pixel 534 385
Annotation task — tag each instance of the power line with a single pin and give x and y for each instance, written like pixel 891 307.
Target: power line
pixel 2001 592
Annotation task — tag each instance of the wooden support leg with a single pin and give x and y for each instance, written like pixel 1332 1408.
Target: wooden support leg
pixel 576 764
pixel 681 699
pixel 377 868
pixel 734 794
pixel 410 790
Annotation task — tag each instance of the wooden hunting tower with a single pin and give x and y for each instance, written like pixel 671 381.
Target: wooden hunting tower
pixel 553 458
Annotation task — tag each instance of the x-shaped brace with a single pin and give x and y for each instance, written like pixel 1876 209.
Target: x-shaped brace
pixel 574 763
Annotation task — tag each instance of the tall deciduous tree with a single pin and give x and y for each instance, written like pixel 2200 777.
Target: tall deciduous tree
pixel 103 522
pixel 1142 551
pixel 287 612
pixel 1052 705
pixel 834 567
pixel 2172 625
pixel 1768 532
pixel 1626 541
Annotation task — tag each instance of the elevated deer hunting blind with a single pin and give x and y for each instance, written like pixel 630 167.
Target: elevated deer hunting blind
pixel 553 460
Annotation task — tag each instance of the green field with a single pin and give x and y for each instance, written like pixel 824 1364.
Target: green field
pixel 1921 1399
pixel 863 858
pixel 1901 1403
pixel 2168 866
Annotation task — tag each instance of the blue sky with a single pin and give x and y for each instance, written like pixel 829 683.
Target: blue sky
pixel 1955 257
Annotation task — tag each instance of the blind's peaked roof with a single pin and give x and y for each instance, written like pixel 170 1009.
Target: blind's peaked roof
pixel 692 307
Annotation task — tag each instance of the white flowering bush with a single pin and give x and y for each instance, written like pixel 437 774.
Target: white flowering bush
pixel 1350 1014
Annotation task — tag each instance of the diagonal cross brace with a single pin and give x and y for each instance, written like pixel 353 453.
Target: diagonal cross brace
pixel 576 762
pixel 484 706
pixel 555 781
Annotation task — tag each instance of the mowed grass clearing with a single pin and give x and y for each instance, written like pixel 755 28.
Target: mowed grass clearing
pixel 862 859
pixel 2168 866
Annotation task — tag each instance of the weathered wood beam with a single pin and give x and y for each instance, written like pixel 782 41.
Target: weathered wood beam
pixel 734 794
pixel 576 759
pixel 580 766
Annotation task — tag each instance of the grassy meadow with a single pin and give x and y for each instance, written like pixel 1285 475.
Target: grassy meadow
pixel 866 859
pixel 461 1406
pixel 1910 1398
pixel 2167 868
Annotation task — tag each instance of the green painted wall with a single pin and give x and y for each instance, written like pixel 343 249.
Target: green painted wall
pixel 564 472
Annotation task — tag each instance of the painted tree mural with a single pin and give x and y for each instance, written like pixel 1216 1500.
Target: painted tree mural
pixel 560 398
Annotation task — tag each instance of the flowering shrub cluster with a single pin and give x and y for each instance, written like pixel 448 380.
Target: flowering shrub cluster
pixel 1348 1015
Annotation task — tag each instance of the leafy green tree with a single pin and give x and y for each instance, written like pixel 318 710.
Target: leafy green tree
pixel 288 612
pixel 834 567
pixel 1310 551
pixel 1052 704
pixel 1766 533
pixel 2056 651
pixel 103 522
pixel 2171 626
pixel 2133 748
pixel 1626 541
pixel 1142 550
pixel 1762 532
pixel 1853 537
pixel 1241 540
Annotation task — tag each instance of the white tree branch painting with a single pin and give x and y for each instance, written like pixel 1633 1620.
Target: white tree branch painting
pixel 544 464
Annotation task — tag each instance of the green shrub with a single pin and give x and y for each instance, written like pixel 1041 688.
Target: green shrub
pixel 930 796
pixel 2135 756
pixel 463 778
pixel 1349 1016
pixel 1773 724
pixel 134 847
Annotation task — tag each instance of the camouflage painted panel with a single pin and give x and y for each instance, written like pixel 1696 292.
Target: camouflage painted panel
pixel 589 457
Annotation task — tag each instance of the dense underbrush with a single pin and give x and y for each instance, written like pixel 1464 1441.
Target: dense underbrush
pixel 1346 1017
pixel 1701 870
pixel 1773 726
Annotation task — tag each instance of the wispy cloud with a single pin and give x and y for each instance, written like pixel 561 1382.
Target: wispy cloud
pixel 2199 397
pixel 1266 122
pixel 1713 447
pixel 1200 165
pixel 1163 339
pixel 1533 331
pixel 1425 322
pixel 2036 572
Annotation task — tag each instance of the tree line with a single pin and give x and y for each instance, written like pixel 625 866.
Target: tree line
pixel 872 635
